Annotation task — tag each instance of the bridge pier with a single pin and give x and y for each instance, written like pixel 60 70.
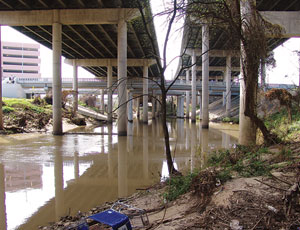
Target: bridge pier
pixel 153 104
pixel 158 106
pixel 187 103
pixel 138 114
pixel 122 76
pixel 129 107
pixel 109 94
pixel 228 85
pixel 75 86
pixel 102 107
pixel 57 102
pixel 145 94
pixel 194 76
pixel 205 76
pixel 180 107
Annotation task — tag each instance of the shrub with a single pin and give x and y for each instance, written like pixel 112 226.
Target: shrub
pixel 7 109
pixel 178 185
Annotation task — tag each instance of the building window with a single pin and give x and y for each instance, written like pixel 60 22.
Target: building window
pixel 30 71
pixel 19 48
pixel 12 71
pixel 20 56
pixel 20 63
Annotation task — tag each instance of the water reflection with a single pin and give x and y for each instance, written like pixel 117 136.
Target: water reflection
pixel 52 176
pixel 3 224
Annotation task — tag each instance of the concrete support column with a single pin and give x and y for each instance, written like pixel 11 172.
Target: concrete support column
pixel 158 107
pixel 75 86
pixel 102 107
pixel 247 134
pixel 224 99
pixel 56 47
pixel 181 98
pixel 228 85
pixel 129 107
pixel 194 72
pixel 122 77
pixel 205 76
pixel 178 107
pixel 187 102
pixel 145 94
pixel 109 94
pixel 138 114
pixel 153 105
pixel 200 105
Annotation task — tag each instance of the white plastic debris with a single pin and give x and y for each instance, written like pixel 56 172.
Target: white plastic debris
pixel 235 225
pixel 271 208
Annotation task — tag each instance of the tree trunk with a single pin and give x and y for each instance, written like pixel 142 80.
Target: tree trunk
pixel 172 170
pixel 251 101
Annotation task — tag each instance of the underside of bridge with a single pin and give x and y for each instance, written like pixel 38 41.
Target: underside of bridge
pixel 107 38
pixel 89 41
pixel 210 50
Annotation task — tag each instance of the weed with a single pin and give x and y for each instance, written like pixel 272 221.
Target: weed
pixel 234 120
pixel 7 109
pixel 178 185
pixel 245 161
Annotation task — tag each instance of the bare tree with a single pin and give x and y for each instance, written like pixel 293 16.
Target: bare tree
pixel 162 64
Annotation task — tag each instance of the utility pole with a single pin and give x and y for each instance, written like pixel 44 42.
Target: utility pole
pixel 1 113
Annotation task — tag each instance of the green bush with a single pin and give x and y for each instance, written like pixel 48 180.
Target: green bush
pixel 234 120
pixel 177 186
pixel 7 109
pixel 245 161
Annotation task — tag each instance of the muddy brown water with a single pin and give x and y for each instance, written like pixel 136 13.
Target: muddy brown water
pixel 44 177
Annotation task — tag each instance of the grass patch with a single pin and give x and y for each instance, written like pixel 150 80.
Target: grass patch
pixel 244 161
pixel 177 186
pixel 89 107
pixel 25 104
pixel 234 120
pixel 6 109
pixel 279 124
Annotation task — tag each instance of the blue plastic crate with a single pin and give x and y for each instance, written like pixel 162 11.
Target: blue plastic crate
pixel 116 220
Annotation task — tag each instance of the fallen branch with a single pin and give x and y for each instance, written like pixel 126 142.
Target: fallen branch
pixel 285 182
pixel 271 186
pixel 259 221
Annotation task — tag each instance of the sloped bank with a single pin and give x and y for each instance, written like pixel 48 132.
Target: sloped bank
pixel 33 115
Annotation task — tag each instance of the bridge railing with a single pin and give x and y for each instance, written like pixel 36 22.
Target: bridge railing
pixel 45 80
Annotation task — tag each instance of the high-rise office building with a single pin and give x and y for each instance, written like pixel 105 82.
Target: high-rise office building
pixel 21 60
